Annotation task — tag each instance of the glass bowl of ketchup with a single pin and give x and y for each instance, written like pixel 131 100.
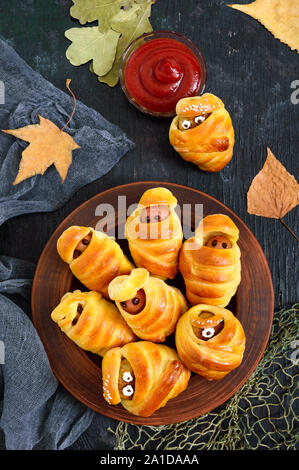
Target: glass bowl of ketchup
pixel 160 68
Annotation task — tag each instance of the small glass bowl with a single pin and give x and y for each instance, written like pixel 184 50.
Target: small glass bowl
pixel 148 37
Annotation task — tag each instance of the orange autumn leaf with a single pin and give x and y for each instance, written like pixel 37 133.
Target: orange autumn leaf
pixel 273 192
pixel 48 145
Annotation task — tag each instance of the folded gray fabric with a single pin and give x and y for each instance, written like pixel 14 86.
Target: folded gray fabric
pixel 37 413
pixel 27 95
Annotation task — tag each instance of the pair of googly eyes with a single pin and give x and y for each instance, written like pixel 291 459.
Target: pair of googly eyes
pixel 198 120
pixel 128 389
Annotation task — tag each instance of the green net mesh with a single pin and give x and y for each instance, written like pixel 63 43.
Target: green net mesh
pixel 261 415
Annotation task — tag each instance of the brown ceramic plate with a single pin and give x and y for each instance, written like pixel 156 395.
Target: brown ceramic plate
pixel 80 372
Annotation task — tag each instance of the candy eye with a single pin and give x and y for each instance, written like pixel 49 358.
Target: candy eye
pixel 127 377
pixel 128 390
pixel 199 119
pixel 186 124
pixel 208 332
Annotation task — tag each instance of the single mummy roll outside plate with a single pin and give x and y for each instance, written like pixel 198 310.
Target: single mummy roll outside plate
pixel 202 132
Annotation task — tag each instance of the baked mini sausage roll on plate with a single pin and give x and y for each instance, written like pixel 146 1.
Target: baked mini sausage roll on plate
pixel 93 257
pixel 155 234
pixel 143 377
pixel 210 262
pixel 210 341
pixel 92 322
pixel 148 305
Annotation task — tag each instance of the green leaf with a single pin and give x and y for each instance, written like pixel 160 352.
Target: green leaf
pixel 131 24
pixel 89 44
pixel 96 10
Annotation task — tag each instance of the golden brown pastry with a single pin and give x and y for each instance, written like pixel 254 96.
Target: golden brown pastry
pixel 92 322
pixel 210 262
pixel 210 341
pixel 94 258
pixel 148 305
pixel 202 132
pixel 154 233
pixel 143 376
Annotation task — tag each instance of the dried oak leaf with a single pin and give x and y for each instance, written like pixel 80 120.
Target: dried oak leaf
pixel 273 192
pixel 87 11
pixel 281 17
pixel 48 145
pixel 131 24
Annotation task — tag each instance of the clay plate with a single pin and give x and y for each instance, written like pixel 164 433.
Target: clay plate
pixel 80 372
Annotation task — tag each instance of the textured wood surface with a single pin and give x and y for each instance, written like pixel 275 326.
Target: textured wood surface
pixel 79 372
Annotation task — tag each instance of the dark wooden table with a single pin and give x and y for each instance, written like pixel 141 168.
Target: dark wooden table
pixel 247 68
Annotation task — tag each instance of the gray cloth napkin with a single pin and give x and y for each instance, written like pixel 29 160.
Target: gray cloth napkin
pixel 37 413
pixel 27 95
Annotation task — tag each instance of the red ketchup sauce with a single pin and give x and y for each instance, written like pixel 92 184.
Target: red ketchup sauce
pixel 160 72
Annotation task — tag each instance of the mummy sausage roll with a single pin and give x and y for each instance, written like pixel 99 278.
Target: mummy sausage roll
pixel 154 233
pixel 143 376
pixel 202 132
pixel 148 305
pixel 93 257
pixel 210 341
pixel 92 322
pixel 210 262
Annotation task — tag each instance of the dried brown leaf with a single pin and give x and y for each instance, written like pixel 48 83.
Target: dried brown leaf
pixel 273 192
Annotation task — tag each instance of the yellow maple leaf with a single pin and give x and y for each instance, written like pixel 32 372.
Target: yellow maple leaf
pixel 274 191
pixel 48 145
pixel 281 17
